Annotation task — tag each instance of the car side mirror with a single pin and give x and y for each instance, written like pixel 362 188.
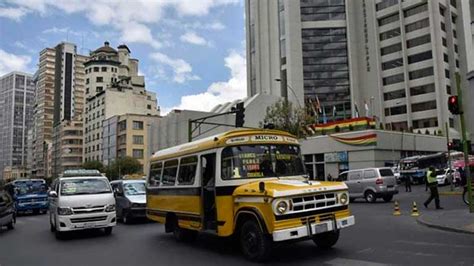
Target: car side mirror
pixel 53 194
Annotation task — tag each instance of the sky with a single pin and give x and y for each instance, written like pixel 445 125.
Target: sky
pixel 191 52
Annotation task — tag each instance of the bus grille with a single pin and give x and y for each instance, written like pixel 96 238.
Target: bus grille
pixel 313 202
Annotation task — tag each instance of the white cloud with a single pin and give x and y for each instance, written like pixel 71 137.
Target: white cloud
pixel 24 47
pixel 182 70
pixel 131 18
pixel 192 38
pixel 11 62
pixel 218 92
pixel 13 13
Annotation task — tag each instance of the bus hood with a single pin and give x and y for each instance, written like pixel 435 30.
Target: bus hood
pixel 288 187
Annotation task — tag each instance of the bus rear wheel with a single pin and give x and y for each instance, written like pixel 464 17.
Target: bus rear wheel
pixel 254 243
pixel 183 235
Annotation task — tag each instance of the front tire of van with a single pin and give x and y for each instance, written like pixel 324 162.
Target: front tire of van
pixel 254 243
pixel 108 231
pixel 326 240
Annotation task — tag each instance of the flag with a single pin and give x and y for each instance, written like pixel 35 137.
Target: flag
pixel 334 110
pixel 356 111
pixel 325 119
pixel 316 116
pixel 367 109
pixel 318 104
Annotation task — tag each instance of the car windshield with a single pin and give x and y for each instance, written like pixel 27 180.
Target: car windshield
pixel 84 186
pixel 24 189
pixel 257 161
pixel 135 188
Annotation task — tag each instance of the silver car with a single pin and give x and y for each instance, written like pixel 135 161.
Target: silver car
pixel 370 183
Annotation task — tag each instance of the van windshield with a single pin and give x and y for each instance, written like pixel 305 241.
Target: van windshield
pixel 135 188
pixel 84 187
pixel 257 161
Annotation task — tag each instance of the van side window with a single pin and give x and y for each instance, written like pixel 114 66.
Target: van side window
pixel 169 173
pixel 369 174
pixel 155 174
pixel 355 175
pixel 187 170
pixel 342 177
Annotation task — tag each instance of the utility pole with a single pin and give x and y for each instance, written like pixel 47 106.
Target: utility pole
pixel 449 158
pixel 464 143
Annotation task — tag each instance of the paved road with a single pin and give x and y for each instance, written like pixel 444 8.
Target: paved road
pixel 377 238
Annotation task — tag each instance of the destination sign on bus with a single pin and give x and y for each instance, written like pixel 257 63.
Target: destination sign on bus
pixel 261 138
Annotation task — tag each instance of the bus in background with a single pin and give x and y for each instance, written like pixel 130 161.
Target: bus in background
pixel 29 195
pixel 415 167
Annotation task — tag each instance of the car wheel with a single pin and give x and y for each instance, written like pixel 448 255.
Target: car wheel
pixel 126 219
pixel 370 196
pixel 36 211
pixel 108 230
pixel 326 240
pixel 446 181
pixel 58 234
pixel 11 224
pixel 183 235
pixel 254 243
pixel 388 198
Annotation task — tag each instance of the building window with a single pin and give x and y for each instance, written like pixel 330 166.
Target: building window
pixel 385 3
pixel 456 48
pixel 137 153
pixel 104 69
pixel 418 41
pixel 389 19
pixel 443 26
pixel 391 49
pixel 415 10
pixel 448 89
pixel 87 80
pixel 446 73
pixel 455 35
pixel 396 110
pixel 453 3
pixel 87 90
pixel 392 64
pixel 122 125
pixel 122 139
pixel 394 95
pixel 99 79
pixel 99 89
pixel 317 10
pixel 445 43
pixel 425 123
pixel 446 58
pixel 419 107
pixel 96 69
pixel 137 139
pixel 138 125
pixel 424 89
pixel 421 73
pixel 148 106
pixel 454 19
pixel 417 25
pixel 393 79
pixel 441 10
pixel 457 63
pixel 420 57
pixel 389 34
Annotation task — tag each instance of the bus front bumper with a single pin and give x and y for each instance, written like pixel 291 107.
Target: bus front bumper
pixel 312 229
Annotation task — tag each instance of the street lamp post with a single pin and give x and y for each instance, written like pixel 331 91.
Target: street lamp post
pixel 291 89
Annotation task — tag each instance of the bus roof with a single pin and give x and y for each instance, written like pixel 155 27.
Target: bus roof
pixel 232 137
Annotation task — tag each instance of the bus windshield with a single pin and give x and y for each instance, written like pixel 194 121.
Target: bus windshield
pixel 25 189
pixel 258 161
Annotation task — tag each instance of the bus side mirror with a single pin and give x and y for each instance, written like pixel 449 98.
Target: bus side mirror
pixel 53 194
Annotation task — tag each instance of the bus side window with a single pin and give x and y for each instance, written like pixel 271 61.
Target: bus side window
pixel 187 170
pixel 169 173
pixel 154 178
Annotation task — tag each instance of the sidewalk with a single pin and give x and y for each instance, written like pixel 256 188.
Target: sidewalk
pixel 460 220
pixel 446 191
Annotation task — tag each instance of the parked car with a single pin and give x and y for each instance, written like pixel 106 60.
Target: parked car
pixel 130 199
pixel 444 176
pixel 370 183
pixel 7 210
pixel 81 199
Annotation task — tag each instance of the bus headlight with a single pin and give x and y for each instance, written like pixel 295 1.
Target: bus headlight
pixel 343 198
pixel 281 207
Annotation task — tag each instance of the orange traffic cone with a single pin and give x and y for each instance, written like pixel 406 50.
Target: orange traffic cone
pixel 396 211
pixel 414 210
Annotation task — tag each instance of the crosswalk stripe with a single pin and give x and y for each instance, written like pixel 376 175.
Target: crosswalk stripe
pixel 342 261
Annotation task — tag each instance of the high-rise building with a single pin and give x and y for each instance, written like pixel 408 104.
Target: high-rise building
pixel 16 112
pixel 389 58
pixel 113 87
pixel 59 99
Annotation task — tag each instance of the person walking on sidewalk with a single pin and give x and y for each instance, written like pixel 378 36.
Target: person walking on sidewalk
pixel 407 183
pixel 432 183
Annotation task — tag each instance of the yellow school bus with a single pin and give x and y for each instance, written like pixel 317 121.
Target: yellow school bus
pixel 251 184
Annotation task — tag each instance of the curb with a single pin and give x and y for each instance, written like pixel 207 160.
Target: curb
pixel 450 193
pixel 441 227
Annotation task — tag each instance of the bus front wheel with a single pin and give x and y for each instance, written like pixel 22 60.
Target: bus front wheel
pixel 326 240
pixel 254 243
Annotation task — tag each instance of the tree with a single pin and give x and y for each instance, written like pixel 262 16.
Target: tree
pixel 123 166
pixel 93 165
pixel 285 117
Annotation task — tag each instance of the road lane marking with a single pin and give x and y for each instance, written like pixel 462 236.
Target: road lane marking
pixel 342 261
pixel 415 253
pixel 418 243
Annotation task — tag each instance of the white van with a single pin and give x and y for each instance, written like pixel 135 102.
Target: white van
pixel 81 199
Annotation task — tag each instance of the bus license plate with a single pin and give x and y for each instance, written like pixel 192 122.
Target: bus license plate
pixel 321 228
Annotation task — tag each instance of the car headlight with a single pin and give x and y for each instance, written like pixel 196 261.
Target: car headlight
pixel 64 211
pixel 110 208
pixel 281 207
pixel 343 198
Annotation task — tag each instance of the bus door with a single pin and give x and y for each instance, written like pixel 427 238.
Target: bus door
pixel 208 189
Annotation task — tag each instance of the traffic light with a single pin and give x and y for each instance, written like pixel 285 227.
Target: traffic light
pixel 450 146
pixel 239 115
pixel 453 105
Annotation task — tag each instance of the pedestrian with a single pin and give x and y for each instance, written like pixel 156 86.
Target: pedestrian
pixel 407 183
pixel 329 177
pixel 432 183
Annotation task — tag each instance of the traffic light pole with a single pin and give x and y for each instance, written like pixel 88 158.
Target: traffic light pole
pixel 464 144
pixel 451 185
